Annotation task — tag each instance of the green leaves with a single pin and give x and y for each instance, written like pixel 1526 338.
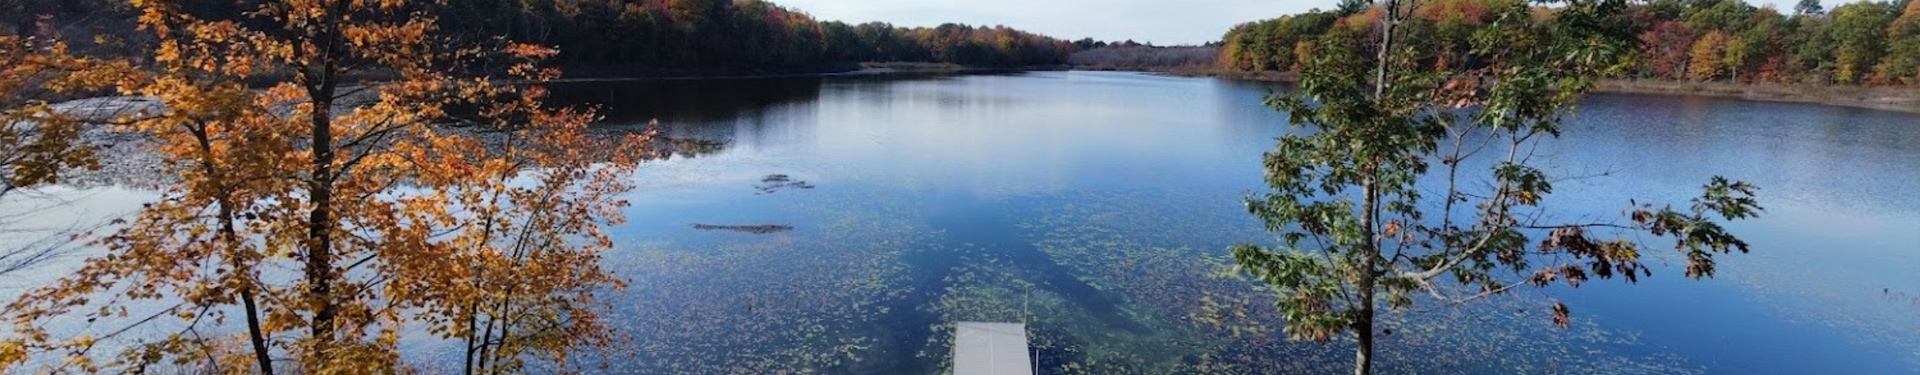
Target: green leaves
pixel 1309 290
pixel 1349 184
pixel 1695 233
pixel 1527 183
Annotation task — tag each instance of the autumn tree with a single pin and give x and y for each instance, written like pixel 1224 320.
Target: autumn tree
pixel 1856 43
pixel 1666 47
pixel 1709 56
pixel 1902 64
pixel 331 211
pixel 37 143
pixel 1858 32
pixel 1365 222
pixel 1755 53
pixel 41 145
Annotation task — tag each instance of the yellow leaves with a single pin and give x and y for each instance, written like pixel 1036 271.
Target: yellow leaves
pixel 12 352
pixel 531 51
pixel 428 223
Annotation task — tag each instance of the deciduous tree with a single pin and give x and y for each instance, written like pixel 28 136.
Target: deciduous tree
pixel 1709 56
pixel 1902 64
pixel 1366 223
pixel 420 199
pixel 1666 48
pixel 1859 35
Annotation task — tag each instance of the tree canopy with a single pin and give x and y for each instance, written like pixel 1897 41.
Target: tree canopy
pixel 1704 40
pixel 317 221
pixel 634 34
pixel 1406 176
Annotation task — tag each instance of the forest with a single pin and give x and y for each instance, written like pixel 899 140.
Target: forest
pixel 745 35
pixel 1861 43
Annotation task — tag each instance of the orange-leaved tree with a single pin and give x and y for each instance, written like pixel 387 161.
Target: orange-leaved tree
pixel 39 145
pixel 378 186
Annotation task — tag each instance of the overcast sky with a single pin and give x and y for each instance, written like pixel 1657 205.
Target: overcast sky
pixel 1163 22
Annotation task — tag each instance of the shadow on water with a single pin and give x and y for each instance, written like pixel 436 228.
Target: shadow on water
pixel 1137 145
pixel 991 234
pixel 674 102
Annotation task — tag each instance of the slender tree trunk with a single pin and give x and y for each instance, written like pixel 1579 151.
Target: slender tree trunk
pixel 1368 280
pixel 320 221
pixel 260 351
pixel 259 338
pixel 1363 317
pixel 473 319
pixel 1388 23
pixel 1363 328
pixel 486 343
pixel 230 237
pixel 1370 248
pixel 322 79
pixel 319 260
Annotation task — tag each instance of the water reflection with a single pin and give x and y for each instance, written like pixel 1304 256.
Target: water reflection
pixel 948 198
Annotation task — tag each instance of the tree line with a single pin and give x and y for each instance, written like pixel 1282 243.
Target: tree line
pixel 1866 42
pixel 645 34
pixel 738 34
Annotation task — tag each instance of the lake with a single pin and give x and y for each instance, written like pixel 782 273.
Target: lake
pixel 1096 206
pixel 1089 205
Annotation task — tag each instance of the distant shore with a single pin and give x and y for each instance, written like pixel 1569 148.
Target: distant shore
pixel 614 73
pixel 1899 99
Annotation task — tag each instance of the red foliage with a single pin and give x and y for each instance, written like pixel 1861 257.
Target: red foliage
pixel 1666 50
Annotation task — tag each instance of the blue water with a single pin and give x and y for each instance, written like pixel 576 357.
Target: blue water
pixel 1088 204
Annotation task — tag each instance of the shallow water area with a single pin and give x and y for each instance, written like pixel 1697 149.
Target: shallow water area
pixel 848 222
pixel 1095 205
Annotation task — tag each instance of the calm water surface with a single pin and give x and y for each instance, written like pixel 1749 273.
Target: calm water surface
pixel 1088 204
pixel 1095 207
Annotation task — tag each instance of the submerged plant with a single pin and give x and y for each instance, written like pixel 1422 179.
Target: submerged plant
pixel 1375 194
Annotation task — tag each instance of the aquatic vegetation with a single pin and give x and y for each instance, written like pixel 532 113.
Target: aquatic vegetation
pixel 1199 321
pixel 755 229
pixel 796 302
pixel 992 290
pixel 775 182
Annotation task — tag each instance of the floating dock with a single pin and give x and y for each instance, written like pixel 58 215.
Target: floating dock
pixel 991 349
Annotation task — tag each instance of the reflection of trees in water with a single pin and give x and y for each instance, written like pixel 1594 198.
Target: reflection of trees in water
pixel 685 147
pixel 685 102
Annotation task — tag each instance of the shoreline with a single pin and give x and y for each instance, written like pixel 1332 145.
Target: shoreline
pixel 125 163
pixel 867 69
pixel 1895 99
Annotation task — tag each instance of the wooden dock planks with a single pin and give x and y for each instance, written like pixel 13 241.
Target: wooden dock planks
pixel 991 349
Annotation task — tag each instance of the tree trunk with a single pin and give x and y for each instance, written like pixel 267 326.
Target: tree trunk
pixel 260 351
pixel 1364 324
pixel 319 260
pixel 1370 249
pixel 321 78
pixel 1363 353
pixel 1368 280
pixel 259 338
pixel 321 83
pixel 230 237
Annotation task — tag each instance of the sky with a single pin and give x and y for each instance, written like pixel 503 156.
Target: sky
pixel 1162 22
